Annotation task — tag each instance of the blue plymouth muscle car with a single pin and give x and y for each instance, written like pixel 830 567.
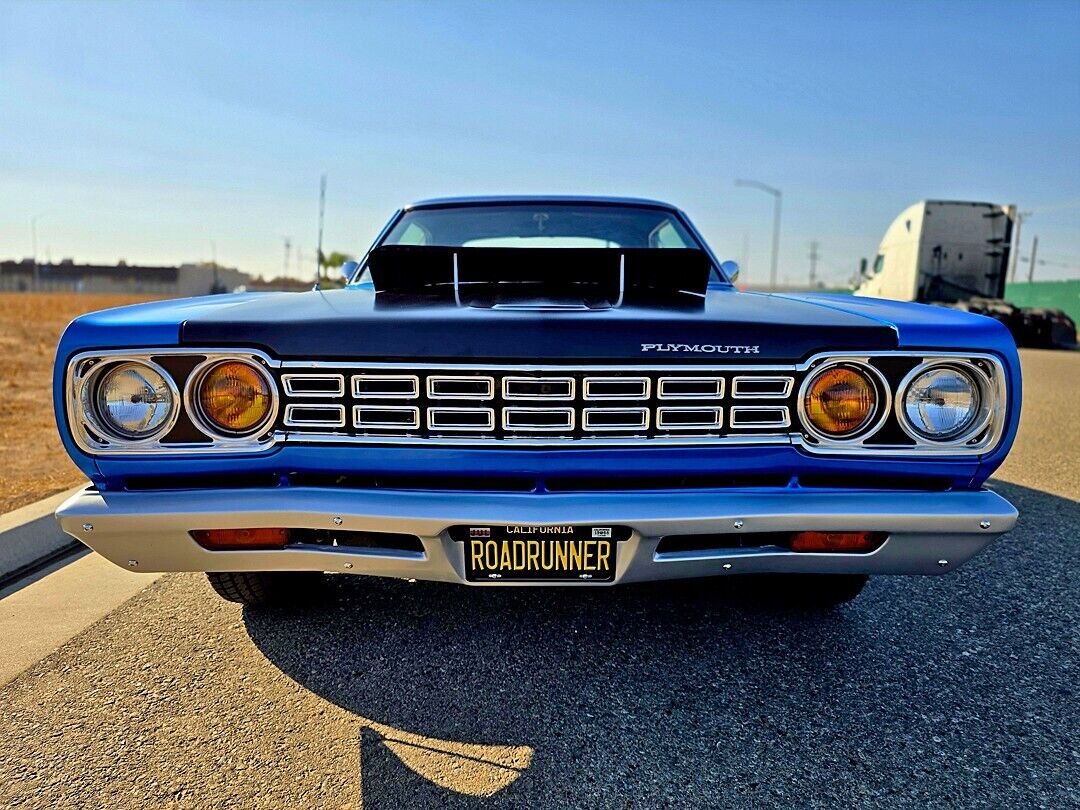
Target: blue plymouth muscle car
pixel 537 390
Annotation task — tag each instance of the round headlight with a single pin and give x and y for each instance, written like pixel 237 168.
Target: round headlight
pixel 941 403
pixel 235 397
pixel 839 401
pixel 134 401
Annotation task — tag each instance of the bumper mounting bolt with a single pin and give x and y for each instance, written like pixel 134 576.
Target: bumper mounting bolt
pixel 943 563
pixel 337 521
pixel 984 524
pixel 133 563
pixel 738 524
pixel 88 527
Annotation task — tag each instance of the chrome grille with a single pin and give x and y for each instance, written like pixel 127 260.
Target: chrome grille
pixel 477 403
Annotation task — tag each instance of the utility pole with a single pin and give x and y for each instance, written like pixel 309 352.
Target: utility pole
pixel 1014 243
pixel 288 249
pixel 777 196
pixel 1034 250
pixel 322 211
pixel 814 256
pixel 33 242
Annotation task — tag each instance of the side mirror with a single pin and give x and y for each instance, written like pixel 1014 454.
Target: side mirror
pixel 730 269
pixel 348 270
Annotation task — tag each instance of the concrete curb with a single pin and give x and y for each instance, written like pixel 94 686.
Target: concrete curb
pixel 30 538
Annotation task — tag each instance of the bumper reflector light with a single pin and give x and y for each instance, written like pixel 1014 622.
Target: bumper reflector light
pixel 837 542
pixel 219 539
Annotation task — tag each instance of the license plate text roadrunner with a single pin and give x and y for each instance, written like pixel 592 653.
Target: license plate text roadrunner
pixel 553 553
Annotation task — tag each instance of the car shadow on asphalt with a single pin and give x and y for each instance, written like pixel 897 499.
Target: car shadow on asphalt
pixel 685 692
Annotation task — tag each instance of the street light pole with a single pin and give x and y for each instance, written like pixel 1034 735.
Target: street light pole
pixel 777 202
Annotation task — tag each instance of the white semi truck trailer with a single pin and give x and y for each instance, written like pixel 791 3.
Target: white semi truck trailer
pixel 958 254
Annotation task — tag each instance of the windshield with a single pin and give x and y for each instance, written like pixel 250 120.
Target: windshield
pixel 545 225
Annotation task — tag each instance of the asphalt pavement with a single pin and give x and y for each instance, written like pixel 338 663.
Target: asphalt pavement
pixel 952 691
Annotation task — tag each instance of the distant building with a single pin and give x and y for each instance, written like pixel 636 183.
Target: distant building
pixel 169 282
pixel 280 284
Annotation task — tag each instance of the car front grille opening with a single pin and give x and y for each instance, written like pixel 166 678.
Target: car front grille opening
pixel 615 419
pixel 718 542
pixel 557 388
pixel 166 483
pixel 402 417
pixel 690 388
pixel 922 483
pixel 326 416
pixel 663 483
pixel 798 542
pixel 617 387
pixel 386 386
pixel 368 540
pixel 314 385
pixel 421 483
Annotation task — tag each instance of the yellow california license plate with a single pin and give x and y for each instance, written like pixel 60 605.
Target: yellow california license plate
pixel 551 553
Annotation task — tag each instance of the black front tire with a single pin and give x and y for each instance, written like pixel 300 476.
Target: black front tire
pixel 267 588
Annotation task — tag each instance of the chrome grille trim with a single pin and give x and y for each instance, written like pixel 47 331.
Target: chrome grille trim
pixel 594 387
pixel 439 419
pixel 568 384
pixel 294 385
pixel 408 386
pixel 509 415
pixel 638 419
pixel 410 417
pixel 710 388
pixel 776 387
pixel 667 418
pixel 442 386
pixel 335 415
pixel 276 435
pixel 739 416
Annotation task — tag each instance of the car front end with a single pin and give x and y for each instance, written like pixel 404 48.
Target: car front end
pixel 445 418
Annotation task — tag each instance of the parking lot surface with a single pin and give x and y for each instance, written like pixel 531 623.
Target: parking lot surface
pixel 959 690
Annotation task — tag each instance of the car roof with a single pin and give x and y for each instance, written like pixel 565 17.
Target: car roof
pixel 540 198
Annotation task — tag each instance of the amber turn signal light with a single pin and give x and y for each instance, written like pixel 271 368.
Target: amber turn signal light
pixel 219 539
pixel 839 401
pixel 837 542
pixel 235 397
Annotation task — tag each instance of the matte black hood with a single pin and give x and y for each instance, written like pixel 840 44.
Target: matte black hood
pixel 723 325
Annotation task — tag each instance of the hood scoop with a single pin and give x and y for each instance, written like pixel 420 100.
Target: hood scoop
pixel 543 279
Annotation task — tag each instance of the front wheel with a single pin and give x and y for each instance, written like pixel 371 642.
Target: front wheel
pixel 267 588
pixel 813 590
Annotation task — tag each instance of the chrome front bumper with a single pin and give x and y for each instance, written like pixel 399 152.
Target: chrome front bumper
pixel 929 532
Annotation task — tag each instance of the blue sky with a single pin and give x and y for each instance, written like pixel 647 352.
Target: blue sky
pixel 144 131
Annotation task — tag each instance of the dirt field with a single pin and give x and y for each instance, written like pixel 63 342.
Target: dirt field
pixel 32 460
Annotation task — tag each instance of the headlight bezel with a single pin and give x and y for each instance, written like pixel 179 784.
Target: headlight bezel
pixel 86 433
pixel 90 409
pixel 977 426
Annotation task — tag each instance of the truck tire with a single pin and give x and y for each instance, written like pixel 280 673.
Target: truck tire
pixel 266 588
pixel 816 591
